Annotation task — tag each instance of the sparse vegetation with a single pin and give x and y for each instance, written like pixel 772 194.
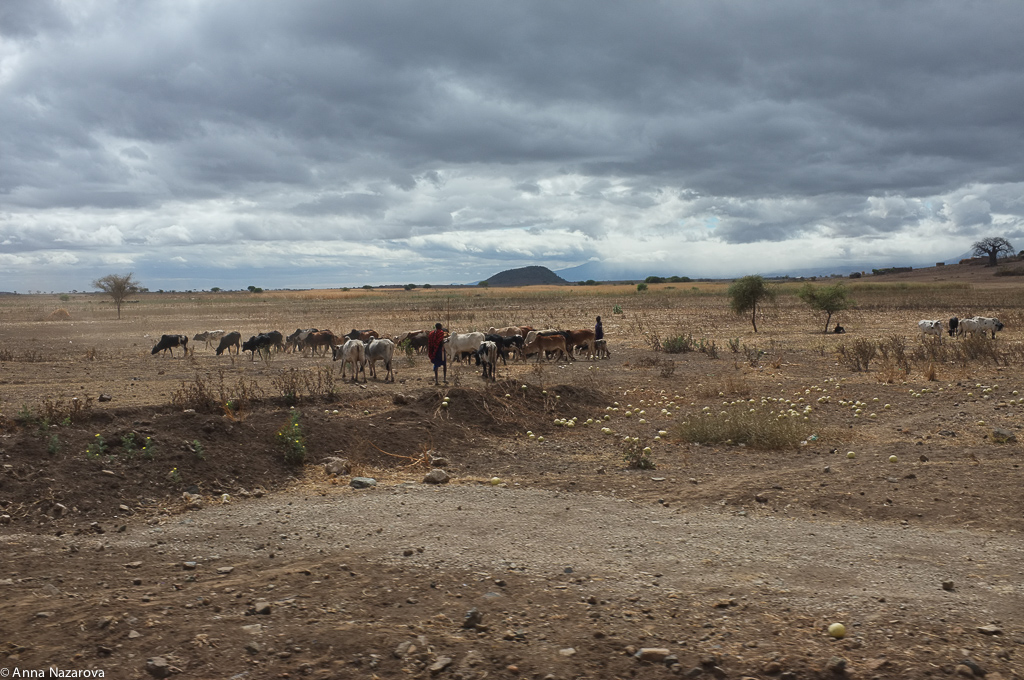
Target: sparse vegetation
pixel 291 440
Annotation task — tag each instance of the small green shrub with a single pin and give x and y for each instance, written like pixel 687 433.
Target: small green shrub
pixel 679 344
pixel 617 309
pixel 197 450
pixel 637 453
pixel 96 448
pixel 641 287
pixel 292 441
pixel 53 445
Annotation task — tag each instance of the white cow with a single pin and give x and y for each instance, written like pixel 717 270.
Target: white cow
pixel 930 327
pixel 353 352
pixel 984 325
pixel 380 349
pixel 457 343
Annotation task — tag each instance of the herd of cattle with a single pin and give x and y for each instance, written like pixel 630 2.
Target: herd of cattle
pixel 360 348
pixel 957 327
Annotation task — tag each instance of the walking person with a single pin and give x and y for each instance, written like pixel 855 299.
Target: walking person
pixel 435 351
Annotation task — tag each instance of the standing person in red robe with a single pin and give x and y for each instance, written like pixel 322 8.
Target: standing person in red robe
pixel 435 351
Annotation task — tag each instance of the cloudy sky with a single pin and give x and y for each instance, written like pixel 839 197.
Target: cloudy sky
pixel 301 144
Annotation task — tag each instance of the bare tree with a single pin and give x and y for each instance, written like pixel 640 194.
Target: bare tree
pixel 992 246
pixel 117 287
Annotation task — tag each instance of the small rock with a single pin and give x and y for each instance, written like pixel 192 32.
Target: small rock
pixel 567 652
pixel 362 482
pixel 652 654
pixel 436 476
pixel 923 458
pixel 104 397
pixel 473 618
pixel 225 570
pixel 337 466
pixel 975 668
pixel 439 665
pixel 96 528
pixel 133 565
pixel 253 629
pixel 5 519
pixel 400 399
pixel 964 670
pixel 261 608
pixel 836 664
pixel 1003 436
pixel 947 585
pixel 438 462
pixel 253 647
pixel 772 667
pixel 990 630
pixel 189 566
pixel 158 667
pixel 134 634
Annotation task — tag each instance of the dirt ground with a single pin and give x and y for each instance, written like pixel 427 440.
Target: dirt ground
pixel 542 557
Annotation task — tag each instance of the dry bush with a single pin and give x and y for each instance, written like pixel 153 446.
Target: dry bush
pixel 668 368
pixel 61 412
pixel 757 428
pixel 930 372
pixel 59 314
pixel 974 348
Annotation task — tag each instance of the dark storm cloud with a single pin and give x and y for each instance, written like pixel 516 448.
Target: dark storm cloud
pixel 724 123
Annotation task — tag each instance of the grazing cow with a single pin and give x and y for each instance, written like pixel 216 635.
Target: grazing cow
pixel 458 343
pixel 930 327
pixel 506 332
pixel 296 339
pixel 953 324
pixel 232 339
pixel 362 336
pixel 417 340
pixel 512 343
pixel 168 342
pixel 487 354
pixel 584 337
pixel 208 337
pixel 319 339
pixel 380 349
pixel 987 324
pixel 264 342
pixel 545 343
pixel 352 352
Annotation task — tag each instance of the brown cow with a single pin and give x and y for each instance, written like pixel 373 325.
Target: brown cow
pixel 583 336
pixel 546 343
pixel 320 339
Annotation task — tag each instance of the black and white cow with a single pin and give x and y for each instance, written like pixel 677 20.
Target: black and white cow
pixel 487 355
pixel 168 342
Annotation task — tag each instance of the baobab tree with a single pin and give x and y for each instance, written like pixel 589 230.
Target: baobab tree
pixel 992 246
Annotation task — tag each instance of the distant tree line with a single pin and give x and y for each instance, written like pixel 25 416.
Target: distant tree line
pixel 667 279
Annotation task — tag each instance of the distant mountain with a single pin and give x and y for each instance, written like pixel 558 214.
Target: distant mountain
pixel 526 276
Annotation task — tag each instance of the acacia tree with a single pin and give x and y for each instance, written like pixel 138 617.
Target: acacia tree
pixel 992 246
pixel 747 293
pixel 828 299
pixel 118 287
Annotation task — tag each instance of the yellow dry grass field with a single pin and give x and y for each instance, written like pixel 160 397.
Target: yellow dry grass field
pixel 716 493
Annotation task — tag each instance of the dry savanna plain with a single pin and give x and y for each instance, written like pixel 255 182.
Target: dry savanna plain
pixel 185 524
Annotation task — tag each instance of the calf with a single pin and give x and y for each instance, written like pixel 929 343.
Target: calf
pixel 208 337
pixel 232 339
pixel 953 324
pixel 168 342
pixel 380 349
pixel 298 338
pixel 352 352
pixel 487 354
pixel 513 343
pixel 584 337
pixel 930 327
pixel 417 340
pixel 601 349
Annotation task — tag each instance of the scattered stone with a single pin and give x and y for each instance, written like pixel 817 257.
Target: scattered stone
pixel 652 654
pixel 404 648
pixel 990 630
pixel 438 462
pixel 158 667
pixel 836 664
pixel 439 665
pixel 923 458
pixel 474 617
pixel 362 482
pixel 947 585
pixel 772 667
pixel 694 672
pixel 253 628
pixel 5 519
pixel 975 668
pixel 43 615
pixel 400 399
pixel 761 498
pixel 104 397
pixel 59 510
pixel 189 566
pixel 96 528
pixel 337 466
pixel 436 476
pixel 964 670
pixel 261 608
pixel 253 647
pixel 133 565
pixel 1003 436
pixel 134 634
pixel 567 652
pixel 6 581
pixel 225 570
